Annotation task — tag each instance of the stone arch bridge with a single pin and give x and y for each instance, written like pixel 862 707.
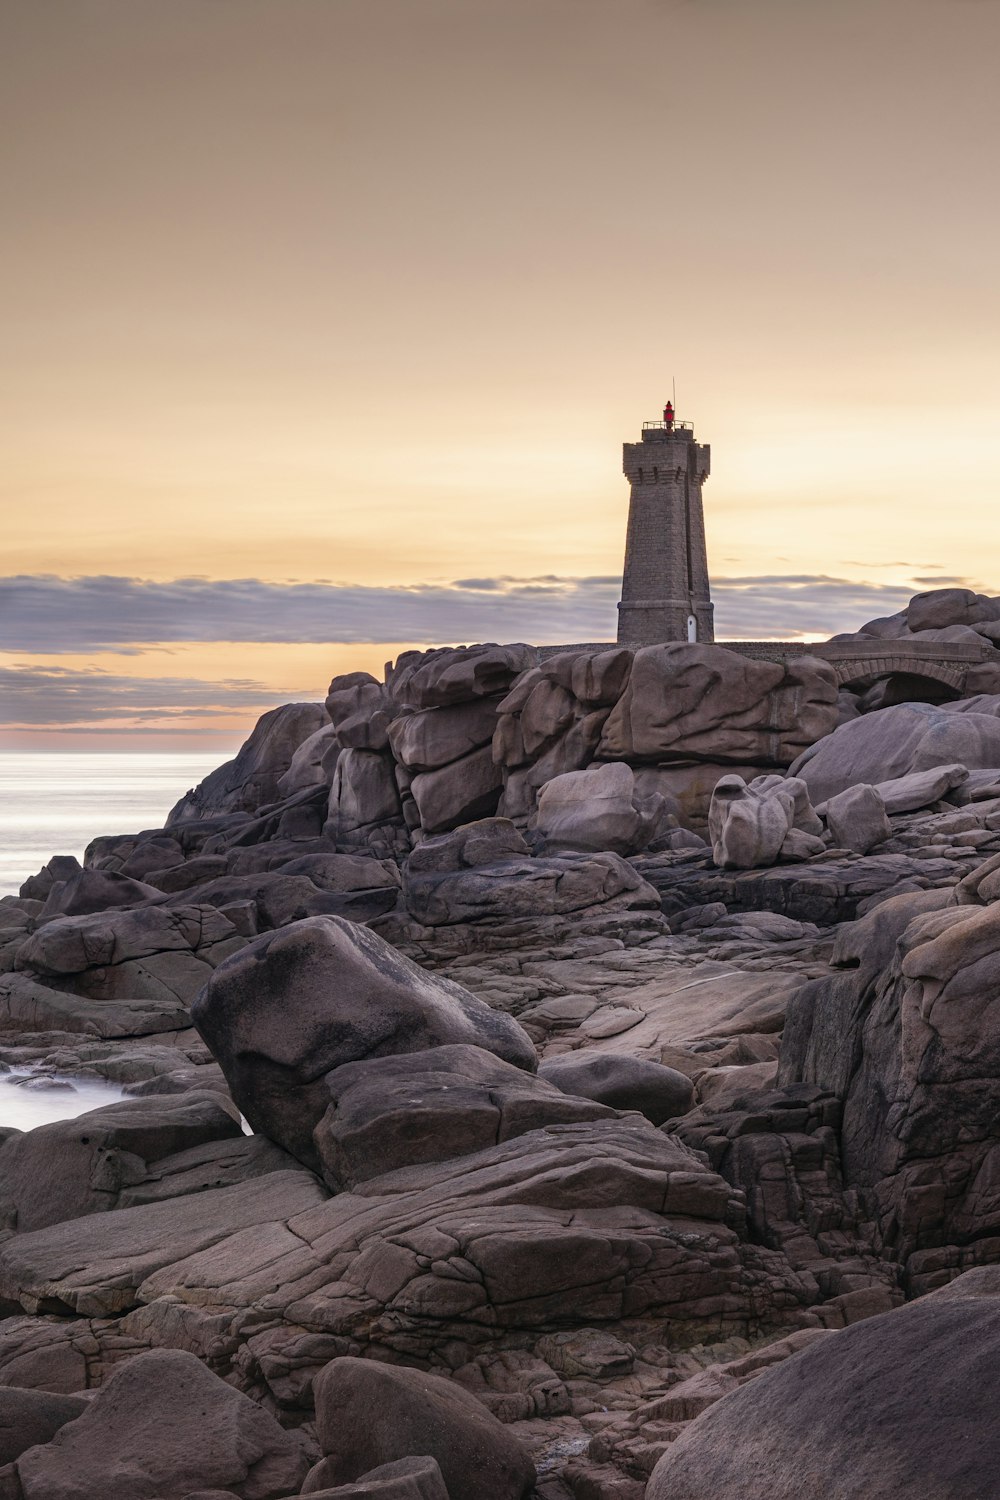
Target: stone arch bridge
pixel 859 663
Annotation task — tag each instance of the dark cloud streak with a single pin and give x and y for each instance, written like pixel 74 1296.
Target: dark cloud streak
pixel 57 696
pixel 49 616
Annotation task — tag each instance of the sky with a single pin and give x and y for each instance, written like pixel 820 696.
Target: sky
pixel 325 320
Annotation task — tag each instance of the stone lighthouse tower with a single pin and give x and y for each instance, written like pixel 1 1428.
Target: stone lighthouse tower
pixel 665 591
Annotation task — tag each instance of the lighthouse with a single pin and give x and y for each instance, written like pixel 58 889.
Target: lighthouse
pixel 665 588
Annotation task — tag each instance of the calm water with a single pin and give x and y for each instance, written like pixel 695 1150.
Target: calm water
pixel 24 1104
pixel 55 804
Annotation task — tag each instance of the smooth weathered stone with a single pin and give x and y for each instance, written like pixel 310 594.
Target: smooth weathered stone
pixel 161 1428
pixel 364 794
pixel 313 762
pixel 369 1413
pixel 597 809
pixel 435 737
pixel 461 792
pixel 28 1418
pixel 658 1092
pixel 900 1404
pixel 28 1006
pixel 94 1266
pixel 324 992
pixel 404 1479
pixel 92 891
pixel 857 819
pixel 921 788
pixel 752 825
pixel 360 711
pixel 144 952
pixel 278 897
pixel 520 886
pixel 59 868
pixel 894 742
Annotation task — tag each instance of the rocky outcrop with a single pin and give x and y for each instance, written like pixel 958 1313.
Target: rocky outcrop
pixel 605 1223
pixel 897 1405
pixel 251 780
pixel 485 871
pixel 753 1126
pixel 299 1003
pixel 906 1037
pixel 705 703
pixel 145 952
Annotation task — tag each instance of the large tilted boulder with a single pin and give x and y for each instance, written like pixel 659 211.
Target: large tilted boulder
pixel 599 808
pixel 894 742
pixel 369 1413
pixel 397 1111
pixel 319 993
pixel 162 1428
pixel 251 779
pixel 902 1404
pixel 689 702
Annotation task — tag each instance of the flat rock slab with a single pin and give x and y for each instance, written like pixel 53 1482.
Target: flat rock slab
pixel 94 1266
pixel 681 1004
pixel 569 1226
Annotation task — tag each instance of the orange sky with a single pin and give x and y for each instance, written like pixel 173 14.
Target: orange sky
pixel 372 291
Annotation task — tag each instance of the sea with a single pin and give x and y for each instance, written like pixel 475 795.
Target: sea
pixel 54 803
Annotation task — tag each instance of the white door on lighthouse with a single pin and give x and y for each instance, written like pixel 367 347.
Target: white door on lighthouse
pixel 692 628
